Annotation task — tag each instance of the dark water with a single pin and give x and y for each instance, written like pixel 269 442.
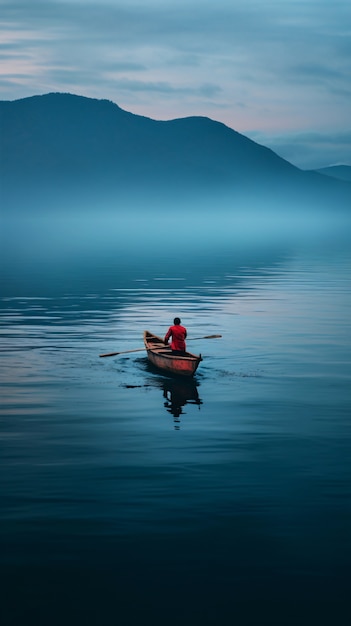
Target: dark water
pixel 130 498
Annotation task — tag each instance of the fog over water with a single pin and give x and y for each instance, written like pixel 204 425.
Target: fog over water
pixel 74 244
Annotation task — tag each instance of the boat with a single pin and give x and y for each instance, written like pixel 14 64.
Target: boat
pixel 161 356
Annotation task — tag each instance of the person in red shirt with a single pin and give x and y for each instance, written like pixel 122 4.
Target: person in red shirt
pixel 178 334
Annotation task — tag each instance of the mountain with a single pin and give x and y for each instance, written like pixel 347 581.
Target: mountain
pixel 341 172
pixel 59 148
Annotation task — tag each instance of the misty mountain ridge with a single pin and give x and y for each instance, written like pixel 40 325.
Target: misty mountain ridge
pixel 341 172
pixel 58 146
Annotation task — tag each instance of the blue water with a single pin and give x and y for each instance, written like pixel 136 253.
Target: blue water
pixel 128 497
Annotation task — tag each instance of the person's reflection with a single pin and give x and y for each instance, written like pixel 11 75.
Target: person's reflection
pixel 178 393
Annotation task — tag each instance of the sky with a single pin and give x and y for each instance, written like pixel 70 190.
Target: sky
pixel 278 71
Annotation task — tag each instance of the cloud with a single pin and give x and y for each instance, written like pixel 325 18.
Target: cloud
pixel 304 72
pixel 256 39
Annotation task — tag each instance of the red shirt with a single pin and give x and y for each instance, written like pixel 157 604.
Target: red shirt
pixel 178 334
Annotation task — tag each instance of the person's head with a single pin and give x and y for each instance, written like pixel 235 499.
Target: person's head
pixel 176 321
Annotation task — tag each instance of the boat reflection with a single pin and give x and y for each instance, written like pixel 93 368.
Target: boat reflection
pixel 177 394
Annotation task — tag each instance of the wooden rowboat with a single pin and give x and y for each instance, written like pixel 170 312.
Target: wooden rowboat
pixel 161 356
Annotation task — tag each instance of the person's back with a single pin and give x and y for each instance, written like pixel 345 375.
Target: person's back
pixel 178 334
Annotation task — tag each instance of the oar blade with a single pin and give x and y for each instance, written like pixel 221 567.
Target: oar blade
pixel 123 352
pixel 206 337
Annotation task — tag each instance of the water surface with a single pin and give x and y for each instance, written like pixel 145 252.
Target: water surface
pixel 130 497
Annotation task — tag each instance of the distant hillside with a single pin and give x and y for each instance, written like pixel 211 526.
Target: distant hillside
pixel 58 146
pixel 341 172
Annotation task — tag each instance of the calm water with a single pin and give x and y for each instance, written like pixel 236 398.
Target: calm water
pixel 131 498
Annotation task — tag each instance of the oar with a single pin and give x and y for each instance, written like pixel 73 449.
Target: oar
pixel 206 337
pixel 162 347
